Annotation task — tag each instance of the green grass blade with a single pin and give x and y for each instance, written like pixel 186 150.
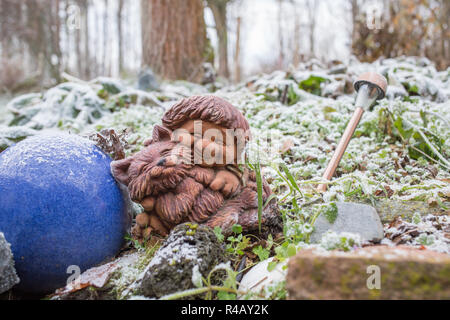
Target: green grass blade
pixel 259 187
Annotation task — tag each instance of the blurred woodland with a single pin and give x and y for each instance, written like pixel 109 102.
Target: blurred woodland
pixel 42 40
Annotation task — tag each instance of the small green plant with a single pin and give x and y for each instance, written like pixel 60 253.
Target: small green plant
pixel 330 212
pixel 426 240
pixel 277 291
pixel 237 229
pixel 312 85
pixel 137 245
pixel 228 290
pixel 238 242
pixel 282 252
pixel 262 253
pixel 421 142
pixel 192 229
pixel 344 241
pixel 292 97
pixel 416 219
pixel 411 88
pixel 230 283
pixel 218 233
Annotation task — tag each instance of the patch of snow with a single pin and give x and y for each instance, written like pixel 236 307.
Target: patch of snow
pixel 197 277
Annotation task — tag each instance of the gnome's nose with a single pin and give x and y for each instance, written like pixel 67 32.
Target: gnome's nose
pixel 161 162
pixel 168 161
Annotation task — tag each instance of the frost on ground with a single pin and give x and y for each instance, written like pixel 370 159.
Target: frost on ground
pixel 78 106
pixel 400 151
pixel 430 231
pixel 343 241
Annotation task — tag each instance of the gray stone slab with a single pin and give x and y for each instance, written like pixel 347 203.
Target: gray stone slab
pixel 8 276
pixel 356 218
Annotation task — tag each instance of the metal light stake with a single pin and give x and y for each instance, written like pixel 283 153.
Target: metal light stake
pixel 370 86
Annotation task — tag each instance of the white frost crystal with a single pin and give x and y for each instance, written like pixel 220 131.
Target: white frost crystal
pixel 343 241
pixel 197 277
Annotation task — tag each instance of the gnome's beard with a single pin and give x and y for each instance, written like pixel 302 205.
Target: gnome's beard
pixel 155 180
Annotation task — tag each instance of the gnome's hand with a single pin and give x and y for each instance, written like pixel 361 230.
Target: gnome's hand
pixel 225 182
pixel 148 222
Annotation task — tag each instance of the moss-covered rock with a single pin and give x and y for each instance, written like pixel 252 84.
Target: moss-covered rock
pixel 8 276
pixel 388 209
pixel 377 272
pixel 188 247
pixel 109 281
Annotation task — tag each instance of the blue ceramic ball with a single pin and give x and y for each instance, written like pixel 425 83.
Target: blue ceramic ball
pixel 59 206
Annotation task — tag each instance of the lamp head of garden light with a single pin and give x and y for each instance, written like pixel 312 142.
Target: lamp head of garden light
pixel 370 87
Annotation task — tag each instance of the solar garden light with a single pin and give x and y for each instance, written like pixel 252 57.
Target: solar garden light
pixel 370 87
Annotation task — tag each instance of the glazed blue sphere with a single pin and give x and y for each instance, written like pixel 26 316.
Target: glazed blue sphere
pixel 59 207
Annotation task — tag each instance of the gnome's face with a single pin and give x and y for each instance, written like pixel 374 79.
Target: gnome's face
pixel 214 129
pixel 211 144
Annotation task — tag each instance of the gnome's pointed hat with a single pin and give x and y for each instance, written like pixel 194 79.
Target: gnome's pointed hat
pixel 207 108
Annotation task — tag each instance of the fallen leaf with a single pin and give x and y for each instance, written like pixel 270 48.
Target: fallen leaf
pixel 387 191
pixel 287 145
pixel 95 277
pixel 433 170
pixel 309 158
pixel 432 202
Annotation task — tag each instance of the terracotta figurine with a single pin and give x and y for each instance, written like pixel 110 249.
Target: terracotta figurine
pixel 191 171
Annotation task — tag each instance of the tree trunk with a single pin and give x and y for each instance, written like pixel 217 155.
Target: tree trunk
pixel 219 10
pixel 120 35
pixel 280 35
pixel 42 39
pixel 174 38
pixel 98 45
pixel 80 58
pixel 237 58
pixel 355 14
pixel 105 59
pixel 87 55
pixel 296 54
pixel 312 8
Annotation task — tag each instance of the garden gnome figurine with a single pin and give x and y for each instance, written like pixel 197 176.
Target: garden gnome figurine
pixel 191 170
